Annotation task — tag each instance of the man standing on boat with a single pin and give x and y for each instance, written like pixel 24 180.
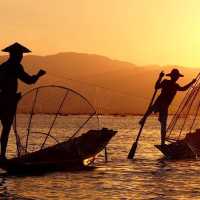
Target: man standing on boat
pixel 169 89
pixel 10 72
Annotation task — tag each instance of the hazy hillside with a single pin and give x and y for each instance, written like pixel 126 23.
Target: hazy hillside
pixel 112 86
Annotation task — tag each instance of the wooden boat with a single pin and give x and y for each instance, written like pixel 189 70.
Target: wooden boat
pixel 183 132
pixel 73 154
pixel 187 148
pixel 176 150
pixel 53 146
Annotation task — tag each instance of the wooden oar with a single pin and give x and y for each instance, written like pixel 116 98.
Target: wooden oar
pixel 134 146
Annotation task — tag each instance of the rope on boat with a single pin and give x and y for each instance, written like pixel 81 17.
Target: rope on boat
pixel 183 104
pixel 183 113
pixel 189 108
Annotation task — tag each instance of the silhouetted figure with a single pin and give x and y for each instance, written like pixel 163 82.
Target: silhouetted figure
pixel 162 103
pixel 10 72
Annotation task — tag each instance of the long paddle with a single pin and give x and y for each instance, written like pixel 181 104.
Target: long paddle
pixel 134 146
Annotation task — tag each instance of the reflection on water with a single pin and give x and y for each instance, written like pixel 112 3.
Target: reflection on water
pixel 147 177
pixel 4 192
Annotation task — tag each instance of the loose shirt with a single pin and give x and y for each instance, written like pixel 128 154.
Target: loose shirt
pixel 168 92
pixel 10 72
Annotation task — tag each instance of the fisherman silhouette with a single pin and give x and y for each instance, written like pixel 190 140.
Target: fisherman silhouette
pixel 169 89
pixel 10 72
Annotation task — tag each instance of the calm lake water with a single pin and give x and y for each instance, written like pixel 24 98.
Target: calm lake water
pixel 146 177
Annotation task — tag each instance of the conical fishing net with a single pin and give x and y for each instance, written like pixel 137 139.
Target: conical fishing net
pixel 49 115
pixel 187 118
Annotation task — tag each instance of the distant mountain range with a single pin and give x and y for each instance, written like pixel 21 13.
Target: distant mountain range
pixel 112 86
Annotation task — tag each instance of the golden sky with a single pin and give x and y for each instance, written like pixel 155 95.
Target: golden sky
pixel 138 31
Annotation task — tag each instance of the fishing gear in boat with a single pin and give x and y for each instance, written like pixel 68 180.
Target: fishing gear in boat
pixel 183 132
pixel 55 127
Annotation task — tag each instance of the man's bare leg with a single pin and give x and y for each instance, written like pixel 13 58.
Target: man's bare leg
pixel 163 122
pixel 163 133
pixel 6 126
pixel 145 116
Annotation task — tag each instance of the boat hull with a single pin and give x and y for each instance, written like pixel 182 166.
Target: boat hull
pixel 18 167
pixel 66 155
pixel 177 150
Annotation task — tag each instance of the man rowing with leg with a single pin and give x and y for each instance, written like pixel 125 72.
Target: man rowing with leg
pixel 10 72
pixel 169 89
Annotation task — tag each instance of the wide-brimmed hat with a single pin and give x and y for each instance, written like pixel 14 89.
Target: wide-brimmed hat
pixel 16 48
pixel 175 72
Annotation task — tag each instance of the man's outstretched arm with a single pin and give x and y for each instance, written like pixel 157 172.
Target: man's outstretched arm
pixel 183 88
pixel 28 79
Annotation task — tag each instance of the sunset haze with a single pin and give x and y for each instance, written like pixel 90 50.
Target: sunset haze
pixel 141 32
